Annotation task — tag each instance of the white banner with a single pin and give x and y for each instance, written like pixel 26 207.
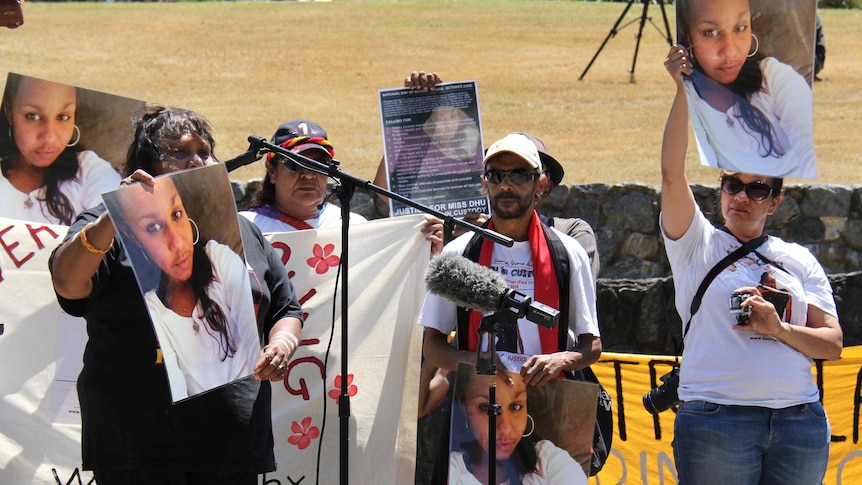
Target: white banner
pixel 40 356
pixel 387 260
pixel 41 350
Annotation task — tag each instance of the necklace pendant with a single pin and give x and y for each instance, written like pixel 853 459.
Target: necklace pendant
pixel 28 204
pixel 729 121
pixel 196 326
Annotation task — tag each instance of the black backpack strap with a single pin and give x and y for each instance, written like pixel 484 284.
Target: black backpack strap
pixel 471 252
pixel 734 256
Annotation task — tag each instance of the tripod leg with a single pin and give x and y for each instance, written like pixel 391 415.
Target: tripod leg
pixel 638 39
pixel 666 24
pixel 612 33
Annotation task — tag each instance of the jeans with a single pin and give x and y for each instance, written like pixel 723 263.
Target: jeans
pixel 747 445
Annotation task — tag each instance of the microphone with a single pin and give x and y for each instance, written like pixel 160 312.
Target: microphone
pixel 251 155
pixel 474 286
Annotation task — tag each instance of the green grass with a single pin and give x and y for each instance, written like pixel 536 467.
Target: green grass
pixel 249 66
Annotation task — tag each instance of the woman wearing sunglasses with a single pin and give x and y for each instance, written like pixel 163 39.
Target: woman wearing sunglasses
pixel 132 432
pixel 291 197
pixel 749 409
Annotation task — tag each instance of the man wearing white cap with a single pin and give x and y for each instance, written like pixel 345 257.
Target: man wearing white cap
pixel 512 178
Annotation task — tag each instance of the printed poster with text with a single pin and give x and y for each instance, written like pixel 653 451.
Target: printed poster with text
pixel 433 148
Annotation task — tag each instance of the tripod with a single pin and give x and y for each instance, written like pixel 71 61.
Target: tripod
pixel 616 28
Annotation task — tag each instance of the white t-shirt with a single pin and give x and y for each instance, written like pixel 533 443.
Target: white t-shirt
pixel 554 466
pixel 786 101
pixel 727 366
pixel 95 176
pixel 329 216
pixel 193 361
pixel 516 266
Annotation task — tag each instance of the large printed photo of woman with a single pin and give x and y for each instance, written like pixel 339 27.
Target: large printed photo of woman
pixel 186 251
pixel 61 147
pixel 542 435
pixel 749 92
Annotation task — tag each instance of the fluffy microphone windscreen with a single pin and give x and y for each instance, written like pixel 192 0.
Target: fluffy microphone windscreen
pixel 466 283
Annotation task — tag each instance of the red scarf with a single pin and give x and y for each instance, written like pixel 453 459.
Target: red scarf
pixel 545 285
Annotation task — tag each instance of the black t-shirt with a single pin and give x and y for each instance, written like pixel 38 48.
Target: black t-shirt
pixel 129 421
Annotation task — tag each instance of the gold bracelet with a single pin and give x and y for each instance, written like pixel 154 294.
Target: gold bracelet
pixel 89 246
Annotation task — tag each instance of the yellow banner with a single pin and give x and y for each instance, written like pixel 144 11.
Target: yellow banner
pixel 642 453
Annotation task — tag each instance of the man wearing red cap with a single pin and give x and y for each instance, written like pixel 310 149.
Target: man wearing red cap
pixel 293 198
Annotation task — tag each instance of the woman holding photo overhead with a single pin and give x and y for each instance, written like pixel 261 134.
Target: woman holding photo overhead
pixel 750 411
pixel 45 175
pixel 132 431
pixel 750 113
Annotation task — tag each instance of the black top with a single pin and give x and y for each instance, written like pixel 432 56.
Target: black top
pixel 127 414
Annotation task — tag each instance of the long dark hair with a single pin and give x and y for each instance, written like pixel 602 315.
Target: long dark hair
pixel 523 460
pixel 157 125
pixel 216 323
pixel 65 167
pixel 163 125
pixel 747 83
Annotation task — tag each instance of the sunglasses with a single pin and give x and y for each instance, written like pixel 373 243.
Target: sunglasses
pixel 518 176
pixel 756 190
pixel 292 166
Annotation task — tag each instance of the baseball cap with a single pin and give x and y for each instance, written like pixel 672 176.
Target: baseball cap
pixel 516 144
pixel 555 170
pixel 300 135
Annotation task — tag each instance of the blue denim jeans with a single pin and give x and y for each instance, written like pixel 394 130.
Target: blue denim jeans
pixel 747 445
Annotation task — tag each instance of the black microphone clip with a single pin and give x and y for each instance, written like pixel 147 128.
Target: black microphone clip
pixel 253 154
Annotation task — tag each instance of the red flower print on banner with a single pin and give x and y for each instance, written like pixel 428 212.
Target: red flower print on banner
pixel 336 392
pixel 323 258
pixel 303 433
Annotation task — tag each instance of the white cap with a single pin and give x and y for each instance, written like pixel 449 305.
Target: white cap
pixel 516 144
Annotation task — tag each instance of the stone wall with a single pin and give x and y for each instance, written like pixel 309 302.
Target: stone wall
pixel 635 291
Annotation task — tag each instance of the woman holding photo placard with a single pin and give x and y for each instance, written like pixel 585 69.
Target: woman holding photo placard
pixel 132 431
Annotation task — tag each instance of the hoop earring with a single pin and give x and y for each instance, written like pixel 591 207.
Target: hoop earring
pixel 532 427
pixel 756 45
pixel 77 137
pixel 197 231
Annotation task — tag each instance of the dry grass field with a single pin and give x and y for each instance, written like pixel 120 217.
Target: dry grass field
pixel 249 66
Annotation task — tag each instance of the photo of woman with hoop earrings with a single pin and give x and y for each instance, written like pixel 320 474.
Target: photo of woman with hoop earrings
pixel 520 457
pixel 750 111
pixel 196 290
pixel 46 175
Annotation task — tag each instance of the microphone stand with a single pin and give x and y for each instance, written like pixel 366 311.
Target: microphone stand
pixel 488 367
pixel 345 187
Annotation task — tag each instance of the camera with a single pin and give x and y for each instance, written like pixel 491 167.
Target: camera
pixel 736 308
pixel 665 396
